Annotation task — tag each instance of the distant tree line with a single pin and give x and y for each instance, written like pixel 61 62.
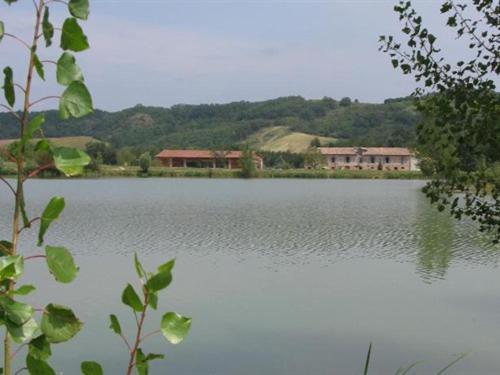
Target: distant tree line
pixel 229 125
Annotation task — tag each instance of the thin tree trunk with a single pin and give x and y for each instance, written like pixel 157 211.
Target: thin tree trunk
pixel 20 176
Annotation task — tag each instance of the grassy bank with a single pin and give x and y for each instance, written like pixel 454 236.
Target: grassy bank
pixel 112 171
pixel 131 171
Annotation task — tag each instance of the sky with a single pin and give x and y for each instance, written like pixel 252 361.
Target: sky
pixel 163 52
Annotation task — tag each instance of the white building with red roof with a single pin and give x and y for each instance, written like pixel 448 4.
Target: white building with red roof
pixel 381 158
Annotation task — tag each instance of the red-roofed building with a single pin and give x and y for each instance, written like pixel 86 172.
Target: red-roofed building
pixel 384 158
pixel 204 159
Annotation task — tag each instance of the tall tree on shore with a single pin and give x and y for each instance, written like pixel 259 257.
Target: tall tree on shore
pixel 460 131
pixel 247 161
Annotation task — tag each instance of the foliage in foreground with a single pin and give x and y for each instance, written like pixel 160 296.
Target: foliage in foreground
pixel 459 137
pixel 57 323
pixel 404 370
pixel 173 327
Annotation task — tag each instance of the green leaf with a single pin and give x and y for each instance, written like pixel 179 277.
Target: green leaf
pixel 367 362
pixel 175 327
pixel 72 36
pixel 16 312
pixel 130 298
pixel 2 30
pixel 167 266
pixel 8 272
pixel 39 348
pixel 67 70
pixel 24 214
pixel 75 101
pixel 38 367
pixel 153 300
pixel 79 8
pixel 115 324
pixel 24 290
pixel 10 1
pixel 34 125
pixel 21 333
pixel 61 264
pixel 91 368
pixel 138 266
pixel 5 247
pixel 141 363
pixel 38 66
pixel 142 360
pixel 70 161
pixel 47 28
pixel 159 281
pixel 152 356
pixel 162 278
pixel 51 213
pixel 8 261
pixel 59 324
pixel 43 145
pixel 8 86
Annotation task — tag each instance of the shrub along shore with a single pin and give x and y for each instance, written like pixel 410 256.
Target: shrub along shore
pixel 105 171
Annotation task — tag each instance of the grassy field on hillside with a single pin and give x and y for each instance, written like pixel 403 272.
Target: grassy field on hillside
pixel 76 142
pixel 280 138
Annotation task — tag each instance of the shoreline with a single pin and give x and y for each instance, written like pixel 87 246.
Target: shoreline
pixel 108 171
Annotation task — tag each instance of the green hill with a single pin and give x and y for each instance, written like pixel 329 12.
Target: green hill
pixel 230 125
pixel 281 138
pixel 77 142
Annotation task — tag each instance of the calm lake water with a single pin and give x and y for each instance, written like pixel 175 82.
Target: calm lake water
pixel 280 276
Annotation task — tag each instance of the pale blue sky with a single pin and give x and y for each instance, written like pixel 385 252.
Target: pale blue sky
pixel 160 52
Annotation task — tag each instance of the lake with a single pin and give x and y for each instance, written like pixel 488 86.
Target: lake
pixel 280 276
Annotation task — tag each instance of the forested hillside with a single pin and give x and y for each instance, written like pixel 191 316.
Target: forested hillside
pixel 229 125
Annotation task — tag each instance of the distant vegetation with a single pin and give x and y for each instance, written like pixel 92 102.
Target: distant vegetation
pixel 231 125
pixel 282 139
pixel 79 142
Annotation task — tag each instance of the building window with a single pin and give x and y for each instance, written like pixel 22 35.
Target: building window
pixel 333 159
pixel 347 159
pixel 360 160
pixel 402 159
pixel 387 159
pixel 372 159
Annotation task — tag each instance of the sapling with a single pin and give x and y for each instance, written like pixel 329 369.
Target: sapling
pixel 173 327
pixel 36 329
pixel 57 323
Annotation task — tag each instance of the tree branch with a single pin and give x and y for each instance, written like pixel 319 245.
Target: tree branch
pixel 18 350
pixel 10 111
pixel 43 99
pixel 20 87
pixel 464 22
pixel 29 225
pixel 56 1
pixel 18 39
pixel 39 256
pixel 8 184
pixel 126 342
pixel 20 370
pixel 133 352
pixel 8 155
pixel 149 335
pixel 40 169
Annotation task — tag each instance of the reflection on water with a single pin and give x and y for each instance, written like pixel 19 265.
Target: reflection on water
pixel 436 232
pixel 281 276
